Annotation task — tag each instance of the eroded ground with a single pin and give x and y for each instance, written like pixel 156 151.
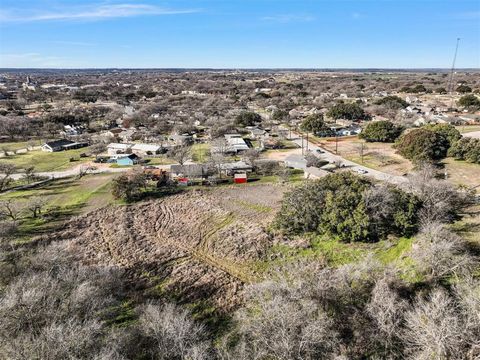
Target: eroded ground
pixel 198 244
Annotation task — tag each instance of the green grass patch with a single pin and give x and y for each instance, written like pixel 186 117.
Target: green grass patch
pixel 200 152
pixel 47 161
pixel 394 253
pixel 255 207
pixel 14 146
pixel 121 315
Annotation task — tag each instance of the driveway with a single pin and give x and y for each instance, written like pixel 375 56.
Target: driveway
pixel 473 134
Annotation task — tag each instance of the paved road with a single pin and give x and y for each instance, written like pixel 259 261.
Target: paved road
pixel 331 157
pixel 100 168
pixel 473 134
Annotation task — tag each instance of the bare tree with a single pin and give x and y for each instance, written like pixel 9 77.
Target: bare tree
pixel 36 204
pixel 387 310
pixel 181 153
pixel 10 209
pixel 30 175
pixel 251 156
pixel 6 171
pixel 442 202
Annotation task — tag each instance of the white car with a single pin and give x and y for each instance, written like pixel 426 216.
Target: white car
pixel 361 171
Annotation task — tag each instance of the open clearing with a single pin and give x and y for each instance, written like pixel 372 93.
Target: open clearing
pixel 378 156
pixel 47 161
pixel 462 172
pixel 196 245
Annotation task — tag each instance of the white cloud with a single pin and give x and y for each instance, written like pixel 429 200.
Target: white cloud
pixel 92 12
pixel 286 18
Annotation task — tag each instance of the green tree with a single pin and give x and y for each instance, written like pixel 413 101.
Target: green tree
pixel 392 102
pixel 129 187
pixel 348 111
pixel 466 149
pixel 448 132
pixel 350 208
pixel 464 89
pixel 441 90
pixel 469 101
pixel 381 131
pixel 418 89
pixel 247 118
pixel 422 145
pixel 313 123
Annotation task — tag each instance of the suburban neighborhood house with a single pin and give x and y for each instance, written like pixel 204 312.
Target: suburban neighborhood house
pixel 235 143
pixel 61 145
pixel 138 149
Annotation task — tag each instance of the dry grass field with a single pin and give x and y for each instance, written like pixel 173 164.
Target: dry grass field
pixel 379 156
pixel 195 245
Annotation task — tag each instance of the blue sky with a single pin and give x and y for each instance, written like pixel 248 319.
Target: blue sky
pixel 239 33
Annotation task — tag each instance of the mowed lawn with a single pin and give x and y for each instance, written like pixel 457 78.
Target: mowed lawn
pixel 64 198
pixel 467 128
pixel 47 161
pixel 14 146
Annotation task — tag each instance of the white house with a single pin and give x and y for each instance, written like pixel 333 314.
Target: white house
pixel 146 149
pixel 118 148
pixel 235 143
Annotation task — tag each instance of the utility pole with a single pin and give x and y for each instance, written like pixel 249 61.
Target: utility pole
pixel 336 143
pixel 307 141
pixel 452 74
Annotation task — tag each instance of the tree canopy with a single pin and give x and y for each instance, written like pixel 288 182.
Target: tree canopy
pixel 422 145
pixel 349 207
pixel 381 131
pixel 392 102
pixel 469 101
pixel 247 118
pixel 464 89
pixel 313 123
pixel 348 111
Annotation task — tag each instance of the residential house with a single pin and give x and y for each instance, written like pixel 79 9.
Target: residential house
pixel 191 171
pixel 233 168
pixel 235 143
pixel 128 160
pixel 62 145
pixel 118 148
pixel 257 133
pixel 146 149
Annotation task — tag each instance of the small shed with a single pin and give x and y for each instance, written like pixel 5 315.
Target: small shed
pixel 240 178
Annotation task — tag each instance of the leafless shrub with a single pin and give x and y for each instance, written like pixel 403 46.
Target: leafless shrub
pixel 174 334
pixel 306 332
pixel 387 310
pixel 439 253
pixel 434 329
pixel 442 202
